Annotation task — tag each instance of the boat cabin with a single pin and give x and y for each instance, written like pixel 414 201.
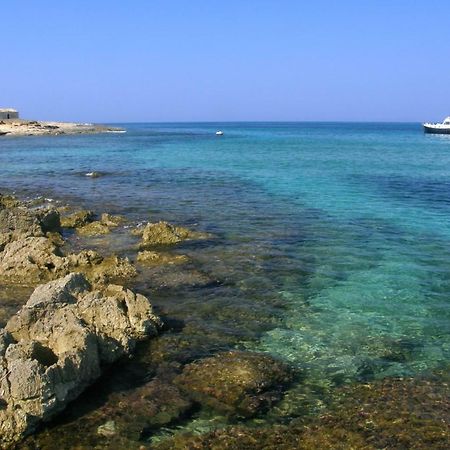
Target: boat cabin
pixel 8 113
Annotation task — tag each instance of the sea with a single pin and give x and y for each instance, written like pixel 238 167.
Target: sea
pixel 330 242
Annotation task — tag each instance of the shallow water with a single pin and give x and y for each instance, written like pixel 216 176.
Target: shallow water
pixel 331 245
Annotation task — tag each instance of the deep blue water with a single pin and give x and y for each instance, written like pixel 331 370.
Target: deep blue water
pixel 344 227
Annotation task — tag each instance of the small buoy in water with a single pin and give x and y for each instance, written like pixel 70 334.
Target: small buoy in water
pixel 219 133
pixel 93 174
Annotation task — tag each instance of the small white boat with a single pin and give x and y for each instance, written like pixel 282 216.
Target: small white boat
pixel 219 133
pixel 438 128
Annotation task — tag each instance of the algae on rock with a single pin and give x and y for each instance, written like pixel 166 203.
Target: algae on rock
pixel 164 233
pixel 157 258
pixel 77 219
pixel 236 383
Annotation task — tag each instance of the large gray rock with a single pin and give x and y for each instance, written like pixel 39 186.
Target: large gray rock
pixel 57 345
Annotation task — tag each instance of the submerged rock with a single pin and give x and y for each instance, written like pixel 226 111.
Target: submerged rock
pixel 277 437
pixel 176 276
pixel 93 174
pixel 138 411
pixel 58 343
pixel 77 219
pixel 164 233
pixel 156 258
pixel 387 414
pixel 236 383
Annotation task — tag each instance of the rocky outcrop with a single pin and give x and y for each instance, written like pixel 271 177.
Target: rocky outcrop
pixel 30 247
pixel 96 228
pixel 30 261
pixel 77 219
pixel 235 383
pixel 112 221
pixel 58 343
pixel 20 127
pixel 35 260
pixel 18 222
pixel 99 269
pixel 164 233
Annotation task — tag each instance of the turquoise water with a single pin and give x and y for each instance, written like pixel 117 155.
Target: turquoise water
pixel 336 237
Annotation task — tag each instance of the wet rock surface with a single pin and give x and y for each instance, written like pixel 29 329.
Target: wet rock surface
pixel 394 414
pixel 111 220
pixel 236 383
pixel 33 260
pixel 57 344
pixel 164 233
pixel 77 219
pixel 31 248
pixel 152 258
pixel 93 229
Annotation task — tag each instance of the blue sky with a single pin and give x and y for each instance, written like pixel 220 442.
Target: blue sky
pixel 210 60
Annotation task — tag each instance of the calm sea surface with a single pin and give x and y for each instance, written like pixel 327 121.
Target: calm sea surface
pixel 332 246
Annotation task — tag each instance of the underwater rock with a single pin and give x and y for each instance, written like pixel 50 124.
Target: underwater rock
pixel 58 343
pixel 175 277
pixel 164 233
pixel 108 429
pixel 77 219
pixel 93 174
pixel 387 414
pixel 277 437
pixel 236 383
pixel 148 407
pixel 93 229
pixel 156 258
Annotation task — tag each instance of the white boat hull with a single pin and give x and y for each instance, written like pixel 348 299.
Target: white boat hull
pixel 436 129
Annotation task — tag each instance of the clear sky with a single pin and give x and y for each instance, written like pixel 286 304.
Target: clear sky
pixel 208 60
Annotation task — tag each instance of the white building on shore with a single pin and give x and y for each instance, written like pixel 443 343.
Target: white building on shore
pixel 8 113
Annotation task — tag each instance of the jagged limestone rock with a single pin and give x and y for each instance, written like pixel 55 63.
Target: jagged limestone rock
pixel 34 260
pixel 58 344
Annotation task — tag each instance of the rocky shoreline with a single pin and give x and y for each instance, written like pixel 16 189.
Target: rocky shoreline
pixel 87 342
pixel 19 127
pixel 77 321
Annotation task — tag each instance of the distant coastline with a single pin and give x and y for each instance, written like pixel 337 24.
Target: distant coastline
pixel 20 127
